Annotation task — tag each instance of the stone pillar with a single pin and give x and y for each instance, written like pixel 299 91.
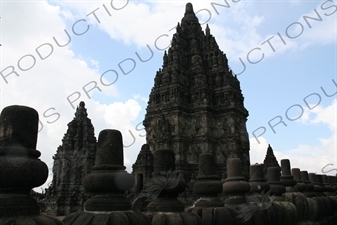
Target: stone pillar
pixel 108 181
pixel 163 189
pixel 286 178
pixel 20 168
pixel 329 201
pixel 285 211
pixel 319 198
pixel 292 194
pixel 207 187
pixel 309 186
pixel 313 209
pixel 257 179
pixel 235 184
pixel 300 185
pixel 235 188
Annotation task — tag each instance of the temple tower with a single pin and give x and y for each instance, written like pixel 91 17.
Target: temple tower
pixel 142 169
pixel 73 160
pixel 270 160
pixel 196 104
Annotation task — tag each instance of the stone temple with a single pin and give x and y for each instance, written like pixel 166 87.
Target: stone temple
pixel 196 131
pixel 196 105
pixel 73 160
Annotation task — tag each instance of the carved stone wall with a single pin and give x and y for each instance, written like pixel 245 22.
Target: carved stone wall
pixel 196 104
pixel 73 160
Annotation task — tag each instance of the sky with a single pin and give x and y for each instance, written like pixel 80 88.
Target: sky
pixel 55 54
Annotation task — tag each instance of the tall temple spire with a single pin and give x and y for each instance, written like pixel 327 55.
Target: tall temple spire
pixel 73 160
pixel 196 104
pixel 270 160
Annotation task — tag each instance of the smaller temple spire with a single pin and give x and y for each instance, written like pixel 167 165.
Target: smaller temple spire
pixel 208 31
pixel 270 160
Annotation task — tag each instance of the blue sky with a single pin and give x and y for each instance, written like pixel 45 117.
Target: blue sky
pixel 302 63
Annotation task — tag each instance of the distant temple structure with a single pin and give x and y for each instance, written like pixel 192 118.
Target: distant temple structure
pixel 73 160
pixel 142 169
pixel 270 160
pixel 196 105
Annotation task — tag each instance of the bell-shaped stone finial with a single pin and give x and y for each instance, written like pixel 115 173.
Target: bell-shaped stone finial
pixel 276 187
pixel 287 179
pixel 20 168
pixel 109 168
pixel 257 181
pixel 108 181
pixel 208 183
pixel 300 185
pixel 164 187
pixel 18 127
pixel 235 185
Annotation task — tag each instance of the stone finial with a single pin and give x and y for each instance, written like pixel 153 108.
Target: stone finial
pixel 206 166
pixel 110 149
pixel 300 186
pixel 20 168
pixel 235 183
pixel 276 187
pixel 208 183
pixel 189 8
pixel 108 181
pixel 314 181
pixel 305 179
pixel 18 129
pixel 257 181
pixel 170 183
pixel 109 168
pixel 319 178
pixel 287 179
pixel 166 184
pixel 326 183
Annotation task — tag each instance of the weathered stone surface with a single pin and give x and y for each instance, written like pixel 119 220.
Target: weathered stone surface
pixel 269 161
pixel 108 205
pixel 208 185
pixel 196 104
pixel 286 211
pixel 235 184
pixel 73 160
pixel 164 160
pixel 110 170
pixel 257 181
pixel 300 185
pixel 286 178
pixel 20 168
pixel 163 188
pixel 142 169
pixel 13 121
pixel 309 185
pixel 109 149
pixel 276 186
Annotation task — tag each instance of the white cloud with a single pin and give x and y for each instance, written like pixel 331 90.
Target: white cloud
pixel 304 156
pixel 49 82
pixel 258 151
